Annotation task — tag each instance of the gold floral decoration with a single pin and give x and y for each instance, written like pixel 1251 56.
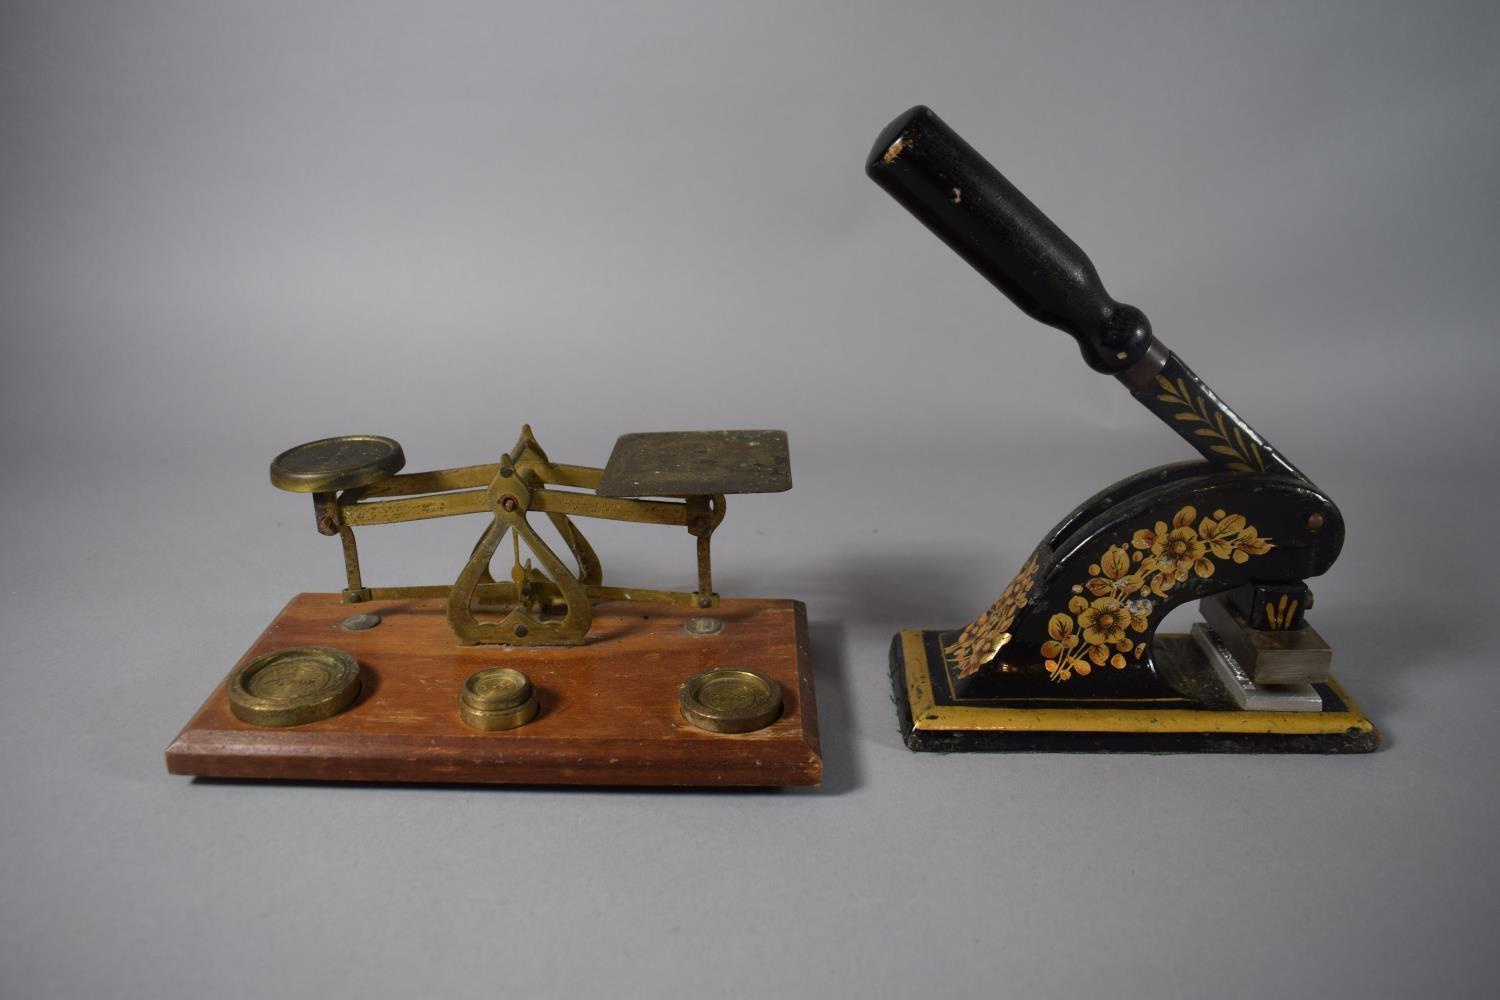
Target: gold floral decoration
pixel 1119 597
pixel 985 635
pixel 1244 456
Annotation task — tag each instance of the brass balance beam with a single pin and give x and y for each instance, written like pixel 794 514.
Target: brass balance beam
pixel 355 482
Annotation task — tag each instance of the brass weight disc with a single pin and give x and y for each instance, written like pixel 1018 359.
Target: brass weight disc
pixel 337 463
pixel 497 698
pixel 730 700
pixel 292 687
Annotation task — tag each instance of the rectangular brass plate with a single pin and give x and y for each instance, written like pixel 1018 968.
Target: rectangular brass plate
pixel 609 709
pixel 697 464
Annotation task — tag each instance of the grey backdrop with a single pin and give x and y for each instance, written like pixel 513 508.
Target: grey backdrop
pixel 230 228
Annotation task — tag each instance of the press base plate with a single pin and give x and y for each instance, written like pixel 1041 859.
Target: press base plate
pixel 933 718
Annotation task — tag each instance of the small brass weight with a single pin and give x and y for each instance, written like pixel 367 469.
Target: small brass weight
pixel 356 481
pixel 498 698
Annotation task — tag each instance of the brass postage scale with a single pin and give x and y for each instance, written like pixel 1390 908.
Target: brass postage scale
pixel 549 676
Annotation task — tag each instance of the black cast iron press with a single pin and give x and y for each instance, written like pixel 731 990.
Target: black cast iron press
pixel 1068 658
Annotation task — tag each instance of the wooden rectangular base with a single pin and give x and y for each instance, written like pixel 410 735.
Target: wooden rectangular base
pixel 1073 721
pixel 609 713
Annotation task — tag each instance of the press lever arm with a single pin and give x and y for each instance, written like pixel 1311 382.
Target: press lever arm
pixel 954 192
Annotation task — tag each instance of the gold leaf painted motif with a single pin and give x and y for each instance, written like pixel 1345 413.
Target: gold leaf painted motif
pixel 1244 456
pixel 1280 616
pixel 987 634
pixel 1115 604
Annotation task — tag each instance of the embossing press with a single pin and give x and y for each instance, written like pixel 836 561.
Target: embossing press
pixel 1068 658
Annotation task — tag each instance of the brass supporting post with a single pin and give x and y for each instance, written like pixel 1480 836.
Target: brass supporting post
pixel 355 591
pixel 703 515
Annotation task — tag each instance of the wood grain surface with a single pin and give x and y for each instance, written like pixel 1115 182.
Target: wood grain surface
pixel 608 715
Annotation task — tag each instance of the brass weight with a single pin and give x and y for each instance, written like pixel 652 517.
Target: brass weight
pixel 730 700
pixel 497 698
pixel 295 686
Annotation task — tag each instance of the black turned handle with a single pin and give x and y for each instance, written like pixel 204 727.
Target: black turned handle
pixel 954 191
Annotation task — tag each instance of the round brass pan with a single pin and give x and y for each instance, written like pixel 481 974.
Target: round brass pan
pixel 337 463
